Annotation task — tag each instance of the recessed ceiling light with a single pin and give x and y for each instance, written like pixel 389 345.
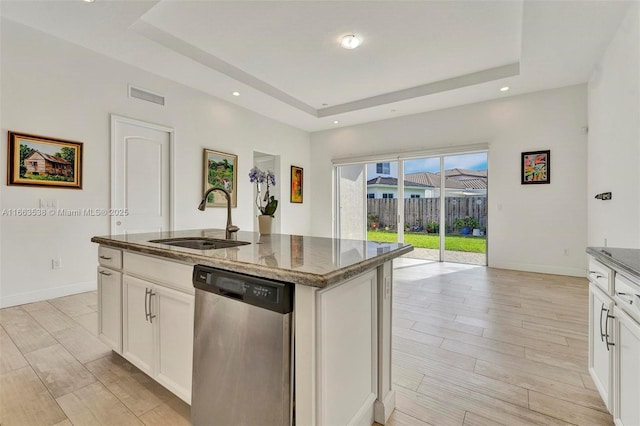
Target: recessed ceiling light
pixel 350 41
pixel 89 1
pixel 504 89
pixel 335 122
pixel 235 93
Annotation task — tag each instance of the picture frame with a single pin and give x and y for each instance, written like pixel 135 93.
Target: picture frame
pixel 220 170
pixel 535 167
pixel 44 161
pixel 297 184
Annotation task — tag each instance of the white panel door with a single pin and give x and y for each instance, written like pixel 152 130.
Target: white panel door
pixel 141 176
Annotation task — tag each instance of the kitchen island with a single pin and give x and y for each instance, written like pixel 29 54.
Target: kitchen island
pixel 614 330
pixel 341 321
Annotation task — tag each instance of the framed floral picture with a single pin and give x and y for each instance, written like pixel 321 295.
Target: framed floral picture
pixel 44 161
pixel 220 170
pixel 297 182
pixel 535 167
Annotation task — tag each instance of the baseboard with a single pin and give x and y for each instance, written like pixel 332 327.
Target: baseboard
pixel 45 294
pixel 544 269
pixel 383 409
pixel 364 416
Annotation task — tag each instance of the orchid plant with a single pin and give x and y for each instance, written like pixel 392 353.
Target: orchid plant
pixel 267 204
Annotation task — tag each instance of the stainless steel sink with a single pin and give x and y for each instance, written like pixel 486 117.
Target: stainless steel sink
pixel 200 243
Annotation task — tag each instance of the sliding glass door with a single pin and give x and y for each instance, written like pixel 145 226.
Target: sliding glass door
pixel 422 207
pixel 439 205
pixel 465 208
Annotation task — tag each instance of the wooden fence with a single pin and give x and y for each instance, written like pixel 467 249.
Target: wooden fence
pixel 421 211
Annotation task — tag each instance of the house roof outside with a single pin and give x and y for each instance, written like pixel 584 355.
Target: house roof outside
pixel 51 158
pixel 433 179
pixel 462 174
pixel 474 183
pixel 391 181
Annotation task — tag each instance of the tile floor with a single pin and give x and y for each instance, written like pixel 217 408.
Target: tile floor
pixel 55 371
pixel 472 346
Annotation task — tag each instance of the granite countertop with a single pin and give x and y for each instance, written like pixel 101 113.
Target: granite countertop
pixel 625 259
pixel 312 261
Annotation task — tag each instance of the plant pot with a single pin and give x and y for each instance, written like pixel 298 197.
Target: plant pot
pixel 465 230
pixel 477 232
pixel 264 224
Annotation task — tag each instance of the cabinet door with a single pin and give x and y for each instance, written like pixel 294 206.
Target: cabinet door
pixel 110 308
pixel 627 381
pixel 601 356
pixel 137 339
pixel 174 322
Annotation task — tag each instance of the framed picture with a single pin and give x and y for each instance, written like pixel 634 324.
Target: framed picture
pixel 297 182
pixel 44 161
pixel 536 167
pixel 220 170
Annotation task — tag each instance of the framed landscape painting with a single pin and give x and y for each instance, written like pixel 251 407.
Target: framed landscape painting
pixel 220 170
pixel 536 167
pixel 297 182
pixel 44 161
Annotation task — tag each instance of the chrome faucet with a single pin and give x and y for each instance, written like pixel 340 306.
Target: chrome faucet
pixel 230 230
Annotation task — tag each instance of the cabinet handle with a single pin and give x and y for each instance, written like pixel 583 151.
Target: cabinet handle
pixel 606 330
pixel 105 257
pixel 151 316
pixel 621 294
pixel 105 273
pixel 601 312
pixel 596 274
pixel 146 310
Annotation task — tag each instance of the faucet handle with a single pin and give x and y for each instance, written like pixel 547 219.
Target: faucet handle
pixel 231 232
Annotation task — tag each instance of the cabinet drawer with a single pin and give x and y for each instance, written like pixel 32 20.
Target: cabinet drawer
pixel 110 257
pixel 601 276
pixel 627 296
pixel 160 270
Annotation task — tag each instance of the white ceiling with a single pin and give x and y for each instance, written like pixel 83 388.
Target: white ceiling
pixel 285 59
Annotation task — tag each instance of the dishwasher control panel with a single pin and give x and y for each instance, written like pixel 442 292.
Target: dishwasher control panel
pixel 268 294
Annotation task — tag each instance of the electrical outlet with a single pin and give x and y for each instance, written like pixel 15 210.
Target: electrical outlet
pixel 48 204
pixel 56 263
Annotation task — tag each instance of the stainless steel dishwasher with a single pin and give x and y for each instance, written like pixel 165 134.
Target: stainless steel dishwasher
pixel 242 372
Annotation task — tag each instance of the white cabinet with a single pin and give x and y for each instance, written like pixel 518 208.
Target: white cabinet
pixel 110 297
pixel 158 333
pixel 601 276
pixel 110 307
pixel 600 342
pixel 614 339
pixel 138 329
pixel 174 344
pixel 627 409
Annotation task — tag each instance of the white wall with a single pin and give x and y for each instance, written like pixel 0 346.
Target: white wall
pixel 614 139
pixel 530 226
pixel 51 87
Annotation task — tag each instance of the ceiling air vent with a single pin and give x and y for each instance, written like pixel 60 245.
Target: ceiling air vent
pixel 145 95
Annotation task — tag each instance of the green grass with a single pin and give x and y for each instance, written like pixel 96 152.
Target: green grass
pixel 432 241
pixel 54 178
